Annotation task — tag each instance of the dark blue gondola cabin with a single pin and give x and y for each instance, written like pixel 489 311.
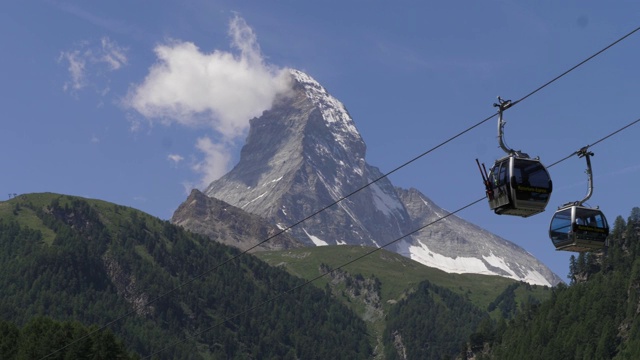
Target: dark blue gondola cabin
pixel 519 186
pixel 578 228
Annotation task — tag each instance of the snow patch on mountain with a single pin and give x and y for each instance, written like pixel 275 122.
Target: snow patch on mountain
pixel 305 154
pixel 333 111
pixel 534 277
pixel 259 196
pixel 385 202
pixel 458 265
pixel 499 263
pixel 434 209
pixel 316 240
pixel 461 265
pixel 272 181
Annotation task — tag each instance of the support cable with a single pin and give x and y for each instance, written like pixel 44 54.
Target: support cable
pixel 276 297
pixel 365 254
pixel 187 282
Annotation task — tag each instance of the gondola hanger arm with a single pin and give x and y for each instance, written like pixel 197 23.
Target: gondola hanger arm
pixel 503 105
pixel 585 153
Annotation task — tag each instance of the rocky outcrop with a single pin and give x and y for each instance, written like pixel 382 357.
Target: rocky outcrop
pixel 229 225
pixel 401 350
pixel 358 288
pixel 126 285
pixel 301 156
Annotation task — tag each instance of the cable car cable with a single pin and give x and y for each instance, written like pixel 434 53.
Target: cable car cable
pixel 344 197
pixel 508 186
pixel 189 281
pixel 578 65
pixel 229 318
pixel 368 253
pixel 597 142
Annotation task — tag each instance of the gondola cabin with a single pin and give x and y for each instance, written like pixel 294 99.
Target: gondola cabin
pixel 578 228
pixel 518 186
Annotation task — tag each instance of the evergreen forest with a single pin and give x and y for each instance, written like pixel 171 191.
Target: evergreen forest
pixel 432 323
pixel 43 337
pixel 595 317
pixel 88 279
pixel 158 288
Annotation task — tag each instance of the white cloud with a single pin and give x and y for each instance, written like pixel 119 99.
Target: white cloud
pixel 76 70
pixel 219 90
pixel 215 163
pixel 112 54
pixel 175 158
pixel 86 64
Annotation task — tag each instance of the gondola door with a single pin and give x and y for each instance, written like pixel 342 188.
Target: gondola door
pixel 499 181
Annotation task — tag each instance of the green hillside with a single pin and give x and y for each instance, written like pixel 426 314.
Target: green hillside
pixel 90 261
pixel 384 287
pixel 45 338
pixel 596 317
pixel 94 262
pixel 398 274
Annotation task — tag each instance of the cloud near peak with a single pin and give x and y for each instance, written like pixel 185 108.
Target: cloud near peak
pixel 219 90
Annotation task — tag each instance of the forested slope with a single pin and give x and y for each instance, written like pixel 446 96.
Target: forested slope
pixel 42 337
pixel 432 323
pixel 595 317
pixel 411 310
pixel 95 262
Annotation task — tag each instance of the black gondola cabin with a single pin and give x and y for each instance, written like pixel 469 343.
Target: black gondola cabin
pixel 519 186
pixel 578 228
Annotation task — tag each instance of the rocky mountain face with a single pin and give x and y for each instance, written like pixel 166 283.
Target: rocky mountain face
pixel 229 225
pixel 457 246
pixel 305 154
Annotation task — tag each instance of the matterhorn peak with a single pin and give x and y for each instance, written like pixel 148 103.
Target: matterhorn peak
pixel 304 159
pixel 332 110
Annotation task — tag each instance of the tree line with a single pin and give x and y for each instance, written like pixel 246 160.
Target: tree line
pixel 594 317
pixel 110 260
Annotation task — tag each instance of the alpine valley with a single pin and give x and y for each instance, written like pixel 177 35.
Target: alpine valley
pixel 86 278
pixel 304 159
pixel 185 290
pixel 72 265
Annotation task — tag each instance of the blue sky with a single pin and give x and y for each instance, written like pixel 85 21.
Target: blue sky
pixel 82 113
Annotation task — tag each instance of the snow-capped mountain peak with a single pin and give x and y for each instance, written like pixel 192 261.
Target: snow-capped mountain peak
pixel 333 111
pixel 306 153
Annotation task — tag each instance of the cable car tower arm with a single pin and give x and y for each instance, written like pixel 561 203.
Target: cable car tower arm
pixel 587 154
pixel 503 105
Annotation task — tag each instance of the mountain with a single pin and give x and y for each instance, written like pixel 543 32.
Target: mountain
pixel 229 225
pixel 455 245
pixel 403 302
pixel 168 293
pixel 172 294
pixel 305 154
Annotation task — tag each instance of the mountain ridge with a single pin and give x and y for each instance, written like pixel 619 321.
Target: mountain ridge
pixel 378 284
pixel 101 260
pixel 106 261
pixel 305 153
pixel 229 225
